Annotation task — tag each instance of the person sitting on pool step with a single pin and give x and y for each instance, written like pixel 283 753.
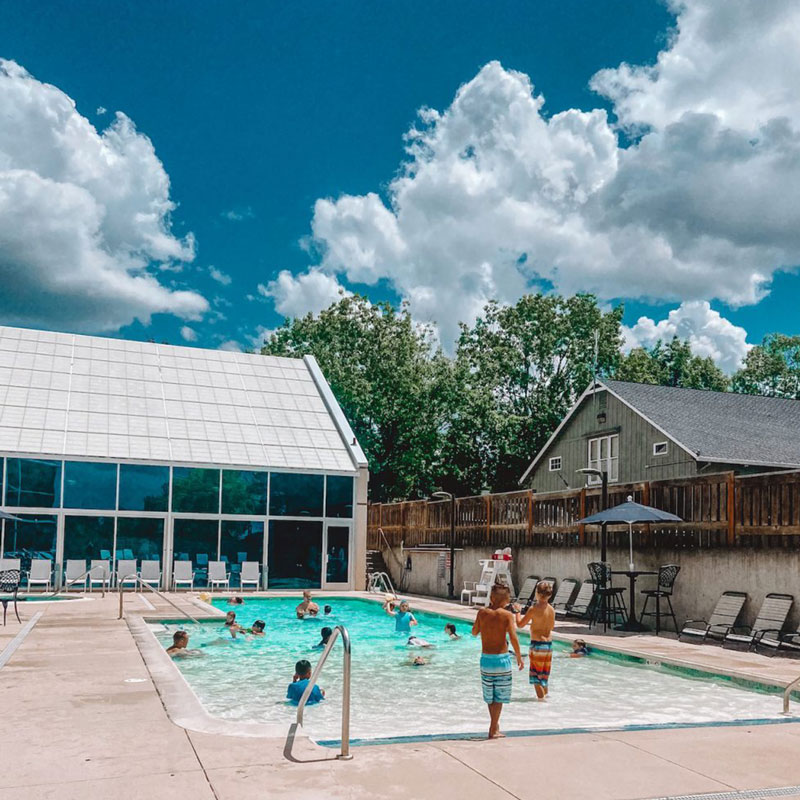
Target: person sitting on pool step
pixel 180 646
pixel 302 675
pixel 403 618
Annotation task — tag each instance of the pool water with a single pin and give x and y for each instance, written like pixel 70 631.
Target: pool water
pixel 247 680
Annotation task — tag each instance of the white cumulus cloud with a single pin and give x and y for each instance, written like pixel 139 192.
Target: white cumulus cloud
pixel 496 198
pixel 709 333
pixel 219 276
pixel 188 334
pixel 84 216
pixel 297 295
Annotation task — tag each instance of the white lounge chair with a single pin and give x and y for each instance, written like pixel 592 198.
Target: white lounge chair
pixel 182 575
pixel 217 574
pixel 150 573
pixel 251 573
pixel 126 572
pixel 10 563
pixel 74 575
pixel 40 572
pixel 100 573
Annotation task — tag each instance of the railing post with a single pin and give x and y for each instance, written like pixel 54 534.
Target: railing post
pixel 731 481
pixel 582 528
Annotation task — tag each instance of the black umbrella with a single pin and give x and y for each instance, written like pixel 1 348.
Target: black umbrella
pixel 629 513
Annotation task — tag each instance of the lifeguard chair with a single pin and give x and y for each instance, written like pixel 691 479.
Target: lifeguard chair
pixel 493 570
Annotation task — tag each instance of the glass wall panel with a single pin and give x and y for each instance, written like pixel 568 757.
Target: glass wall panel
pixel 90 485
pixel 195 540
pixel 88 539
pixel 294 555
pixel 244 492
pixel 195 491
pixel 295 494
pixel 33 483
pixel 143 488
pixel 140 538
pixel 338 554
pixel 241 541
pixel 339 497
pixel 30 536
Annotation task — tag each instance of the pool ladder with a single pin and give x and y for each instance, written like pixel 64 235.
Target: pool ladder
pixel 338 632
pixel 134 577
pixel 375 577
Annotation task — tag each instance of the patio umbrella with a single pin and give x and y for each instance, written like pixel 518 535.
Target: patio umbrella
pixel 629 513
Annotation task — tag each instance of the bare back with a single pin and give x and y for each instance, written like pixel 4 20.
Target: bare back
pixel 494 625
pixel 542 619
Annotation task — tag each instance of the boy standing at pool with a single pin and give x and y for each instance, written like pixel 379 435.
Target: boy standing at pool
pixel 495 626
pixel 542 618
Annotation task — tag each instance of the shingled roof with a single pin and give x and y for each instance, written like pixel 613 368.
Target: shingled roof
pixel 720 426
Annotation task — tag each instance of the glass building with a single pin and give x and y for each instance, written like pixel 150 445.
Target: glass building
pixel 123 451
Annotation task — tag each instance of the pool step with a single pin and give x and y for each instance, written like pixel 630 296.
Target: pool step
pixel 745 794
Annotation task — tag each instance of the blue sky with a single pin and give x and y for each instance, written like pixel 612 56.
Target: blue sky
pixel 257 110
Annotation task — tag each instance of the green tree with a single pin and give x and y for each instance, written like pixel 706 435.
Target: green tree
pixel 391 381
pixel 671 364
pixel 771 368
pixel 518 370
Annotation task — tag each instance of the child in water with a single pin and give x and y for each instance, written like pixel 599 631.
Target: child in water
pixel 257 628
pixel 232 625
pixel 579 649
pixel 326 634
pixel 450 630
pixel 180 646
pixel 403 618
pixel 542 618
pixel 302 675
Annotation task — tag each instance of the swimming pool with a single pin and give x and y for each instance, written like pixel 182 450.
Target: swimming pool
pixel 246 681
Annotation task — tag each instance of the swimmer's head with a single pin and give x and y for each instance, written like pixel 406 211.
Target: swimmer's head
pixel 180 639
pixel 235 601
pixel 230 618
pixel 328 609
pixel 259 625
pixel 419 661
pixel 579 644
pixel 326 634
pixel 306 594
pixel 405 605
pixel 544 589
pixel 302 668
pixel 450 629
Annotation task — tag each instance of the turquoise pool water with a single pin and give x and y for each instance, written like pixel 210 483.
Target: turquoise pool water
pixel 247 680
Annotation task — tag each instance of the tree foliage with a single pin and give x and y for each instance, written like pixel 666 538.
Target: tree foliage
pixel 771 368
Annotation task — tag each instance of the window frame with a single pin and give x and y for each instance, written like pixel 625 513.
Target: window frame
pixel 550 466
pixel 609 463
pixel 664 452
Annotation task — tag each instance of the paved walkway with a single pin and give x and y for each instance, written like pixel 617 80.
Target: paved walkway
pixel 83 719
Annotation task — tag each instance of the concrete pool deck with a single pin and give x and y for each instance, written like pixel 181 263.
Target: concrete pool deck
pixel 84 719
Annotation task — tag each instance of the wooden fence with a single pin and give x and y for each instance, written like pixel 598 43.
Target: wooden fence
pixel 719 510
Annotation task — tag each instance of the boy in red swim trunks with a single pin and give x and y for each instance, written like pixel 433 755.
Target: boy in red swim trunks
pixel 542 618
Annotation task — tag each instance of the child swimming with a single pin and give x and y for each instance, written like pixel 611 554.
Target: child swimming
pixel 326 634
pixel 232 625
pixel 302 675
pixel 257 628
pixel 416 641
pixel 450 630
pixel 403 618
pixel 579 649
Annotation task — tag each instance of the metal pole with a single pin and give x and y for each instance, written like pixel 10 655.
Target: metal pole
pixel 344 755
pixel 451 586
pixel 603 507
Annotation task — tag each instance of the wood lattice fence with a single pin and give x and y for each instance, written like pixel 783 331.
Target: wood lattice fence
pixel 719 510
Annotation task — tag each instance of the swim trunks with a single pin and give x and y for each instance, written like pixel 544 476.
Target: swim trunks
pixel 541 659
pixel 496 677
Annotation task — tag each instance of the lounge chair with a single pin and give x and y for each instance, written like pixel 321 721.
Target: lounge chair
pixel 126 572
pixel 582 604
pixel 40 573
pixel 150 573
pixel 75 574
pixel 217 574
pixel 771 618
pixel 251 573
pixel 562 598
pixel 780 641
pixel 723 618
pixel 527 589
pixel 7 564
pixel 182 575
pixel 100 572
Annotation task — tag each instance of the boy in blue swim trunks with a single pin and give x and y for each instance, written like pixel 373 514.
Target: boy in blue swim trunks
pixel 496 628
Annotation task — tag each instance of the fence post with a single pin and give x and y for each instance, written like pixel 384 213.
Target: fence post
pixel 488 518
pixel 529 535
pixel 731 481
pixel 582 528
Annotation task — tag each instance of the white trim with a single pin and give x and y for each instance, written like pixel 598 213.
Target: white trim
pixel 663 452
pixel 334 409
pixel 550 466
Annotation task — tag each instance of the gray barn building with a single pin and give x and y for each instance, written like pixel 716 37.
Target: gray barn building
pixel 639 432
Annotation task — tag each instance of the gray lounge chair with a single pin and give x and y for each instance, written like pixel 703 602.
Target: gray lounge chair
pixel 527 589
pixel 7 564
pixel 126 572
pixel 563 597
pixel 150 573
pixel 39 573
pixel 100 573
pixel 251 573
pixel 75 575
pixel 723 618
pixel 582 604
pixel 217 574
pixel 771 618
pixel 182 575
pixel 778 641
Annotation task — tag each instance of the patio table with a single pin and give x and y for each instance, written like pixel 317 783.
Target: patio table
pixel 632 624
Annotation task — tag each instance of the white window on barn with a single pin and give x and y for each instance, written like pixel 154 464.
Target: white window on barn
pixel 604 456
pixel 555 464
pixel 660 448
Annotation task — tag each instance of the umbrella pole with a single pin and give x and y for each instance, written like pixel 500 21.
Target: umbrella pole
pixel 630 541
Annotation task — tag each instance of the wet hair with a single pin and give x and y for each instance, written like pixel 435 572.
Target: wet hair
pixel 178 635
pixel 328 609
pixel 230 618
pixel 450 628
pixel 259 624
pixel 544 588
pixel 237 601
pixel 501 588
pixel 579 643
pixel 302 667
pixel 326 634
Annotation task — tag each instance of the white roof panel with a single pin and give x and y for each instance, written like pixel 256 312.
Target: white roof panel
pixel 78 396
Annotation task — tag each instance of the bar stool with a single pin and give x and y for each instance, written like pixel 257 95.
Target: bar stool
pixel 608 604
pixel 663 591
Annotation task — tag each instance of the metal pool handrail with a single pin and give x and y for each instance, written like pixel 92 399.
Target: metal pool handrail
pixel 787 693
pixel 384 576
pixel 338 631
pixel 139 581
pixel 75 580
